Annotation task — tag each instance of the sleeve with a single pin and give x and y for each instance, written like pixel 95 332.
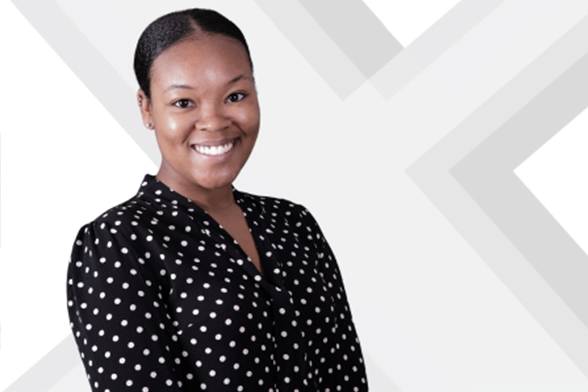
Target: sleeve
pixel 125 337
pixel 350 370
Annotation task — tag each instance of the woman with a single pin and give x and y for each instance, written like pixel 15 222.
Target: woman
pixel 191 284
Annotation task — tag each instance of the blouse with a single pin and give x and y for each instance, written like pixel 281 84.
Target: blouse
pixel 162 298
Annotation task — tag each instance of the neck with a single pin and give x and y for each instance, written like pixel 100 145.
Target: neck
pixel 209 200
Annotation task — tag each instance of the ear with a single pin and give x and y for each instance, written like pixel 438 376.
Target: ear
pixel 146 110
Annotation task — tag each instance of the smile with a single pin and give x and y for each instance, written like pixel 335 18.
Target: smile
pixel 214 150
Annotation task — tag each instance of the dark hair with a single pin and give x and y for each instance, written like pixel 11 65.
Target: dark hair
pixel 173 28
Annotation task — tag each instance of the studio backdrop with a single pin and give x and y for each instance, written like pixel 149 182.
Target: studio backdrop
pixel 441 144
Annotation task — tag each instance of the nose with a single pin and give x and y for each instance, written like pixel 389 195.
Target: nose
pixel 212 119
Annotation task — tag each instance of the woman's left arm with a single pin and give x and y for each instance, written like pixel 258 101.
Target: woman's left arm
pixel 351 372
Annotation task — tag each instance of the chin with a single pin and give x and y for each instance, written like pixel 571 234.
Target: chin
pixel 216 182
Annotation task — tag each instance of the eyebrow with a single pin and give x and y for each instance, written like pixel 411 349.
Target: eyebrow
pixel 187 87
pixel 179 86
pixel 235 80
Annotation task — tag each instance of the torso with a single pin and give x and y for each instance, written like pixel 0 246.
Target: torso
pixel 161 266
pixel 233 221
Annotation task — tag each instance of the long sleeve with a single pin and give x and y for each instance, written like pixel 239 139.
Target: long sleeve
pixel 117 313
pixel 346 360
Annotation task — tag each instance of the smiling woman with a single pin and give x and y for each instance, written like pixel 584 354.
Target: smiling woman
pixel 191 284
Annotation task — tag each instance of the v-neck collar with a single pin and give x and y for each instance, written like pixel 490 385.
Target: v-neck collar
pixel 155 191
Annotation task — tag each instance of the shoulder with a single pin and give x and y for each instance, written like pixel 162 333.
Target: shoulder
pixel 152 201
pixel 124 218
pixel 272 206
pixel 116 230
pixel 109 225
pixel 279 211
pixel 111 245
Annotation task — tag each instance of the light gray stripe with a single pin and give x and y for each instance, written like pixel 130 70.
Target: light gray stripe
pixel 300 28
pixel 50 369
pixel 524 220
pixel 86 62
pixel 75 381
pixel 358 32
pixel 378 379
pixel 489 232
pixel 116 96
pixel 478 52
pixel 431 44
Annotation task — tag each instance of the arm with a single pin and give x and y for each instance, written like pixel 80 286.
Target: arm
pixel 125 337
pixel 350 371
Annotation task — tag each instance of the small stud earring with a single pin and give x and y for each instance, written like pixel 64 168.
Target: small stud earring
pixel 148 125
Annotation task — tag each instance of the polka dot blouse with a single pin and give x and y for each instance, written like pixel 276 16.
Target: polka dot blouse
pixel 162 298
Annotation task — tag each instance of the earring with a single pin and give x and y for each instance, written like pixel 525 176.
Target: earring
pixel 148 125
pixel 140 101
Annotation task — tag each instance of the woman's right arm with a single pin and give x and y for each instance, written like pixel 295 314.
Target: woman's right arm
pixel 125 337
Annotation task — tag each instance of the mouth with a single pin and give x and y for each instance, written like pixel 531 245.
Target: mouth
pixel 210 150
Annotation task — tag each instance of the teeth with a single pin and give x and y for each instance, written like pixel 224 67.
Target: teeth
pixel 214 150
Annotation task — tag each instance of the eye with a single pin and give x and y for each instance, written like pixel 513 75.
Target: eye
pixel 235 97
pixel 183 103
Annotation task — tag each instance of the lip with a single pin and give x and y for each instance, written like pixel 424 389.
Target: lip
pixel 217 144
pixel 214 143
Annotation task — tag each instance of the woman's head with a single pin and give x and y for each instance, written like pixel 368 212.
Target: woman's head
pixel 198 94
pixel 175 27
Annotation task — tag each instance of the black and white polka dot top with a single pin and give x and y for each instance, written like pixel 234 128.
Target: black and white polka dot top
pixel 161 298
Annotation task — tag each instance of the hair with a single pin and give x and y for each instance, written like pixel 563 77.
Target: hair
pixel 174 28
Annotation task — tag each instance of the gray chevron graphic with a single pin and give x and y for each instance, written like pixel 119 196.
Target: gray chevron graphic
pixel 469 176
pixel 357 31
pixel 307 35
pixel 363 48
pixel 421 53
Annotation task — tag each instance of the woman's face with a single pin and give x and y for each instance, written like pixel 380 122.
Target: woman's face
pixel 204 110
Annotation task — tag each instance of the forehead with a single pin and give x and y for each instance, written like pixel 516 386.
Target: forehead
pixel 209 56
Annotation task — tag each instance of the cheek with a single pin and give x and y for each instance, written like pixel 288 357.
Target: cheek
pixel 172 125
pixel 249 118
